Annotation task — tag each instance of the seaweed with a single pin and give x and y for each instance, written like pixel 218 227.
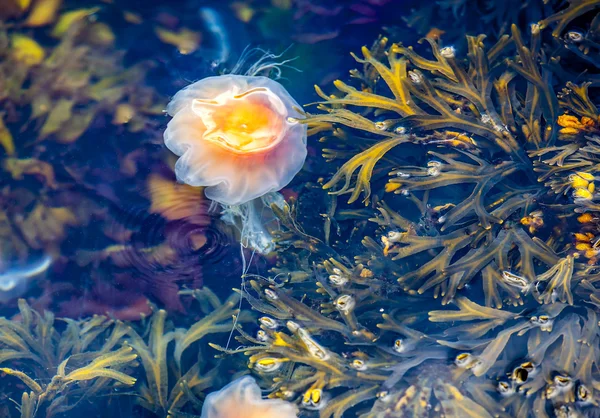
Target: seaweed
pixel 554 371
pixel 461 98
pixel 63 363
pixel 390 367
pixel 292 338
pixel 563 18
pixel 167 394
pixel 464 282
pixel 296 351
pixel 485 121
pixel 476 239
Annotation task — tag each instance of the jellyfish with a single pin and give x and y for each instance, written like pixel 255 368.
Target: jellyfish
pixel 240 138
pixel 242 399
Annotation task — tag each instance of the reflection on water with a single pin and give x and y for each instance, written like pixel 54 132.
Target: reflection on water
pixel 436 255
pixel 13 281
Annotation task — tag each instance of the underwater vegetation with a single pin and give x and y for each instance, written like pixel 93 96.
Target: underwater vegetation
pixel 65 364
pixel 441 259
pixel 58 368
pixel 453 268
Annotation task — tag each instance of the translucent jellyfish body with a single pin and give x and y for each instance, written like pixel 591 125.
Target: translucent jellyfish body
pixel 242 399
pixel 237 135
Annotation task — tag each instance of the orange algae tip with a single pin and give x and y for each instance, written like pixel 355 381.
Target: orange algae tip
pixel 237 135
pixel 242 399
pixel 585 218
pixel 391 187
pixel 582 237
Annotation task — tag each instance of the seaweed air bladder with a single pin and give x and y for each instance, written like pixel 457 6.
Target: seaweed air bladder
pixel 242 398
pixel 238 136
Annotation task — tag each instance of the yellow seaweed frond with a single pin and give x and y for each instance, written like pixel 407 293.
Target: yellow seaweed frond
pixel 67 19
pixel 492 351
pixel 45 353
pixel 366 162
pixel 60 113
pixel 103 367
pixel 26 50
pixel 338 406
pixel 562 18
pixel 28 405
pixel 529 250
pixel 30 166
pixel 32 384
pixel 186 40
pixel 450 171
pixel 559 281
pixel 43 13
pixel 469 311
pixel 455 404
pixel 192 381
pixel 394 76
pixel 46 224
pixel 413 401
pixel 218 320
pixel 6 139
pixel 319 122
pixel 576 99
pixel 541 105
pixel 153 358
pixel 161 392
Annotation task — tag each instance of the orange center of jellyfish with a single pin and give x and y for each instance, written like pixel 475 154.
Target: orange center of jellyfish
pixel 243 123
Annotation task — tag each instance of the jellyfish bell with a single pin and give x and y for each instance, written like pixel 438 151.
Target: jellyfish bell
pixel 242 398
pixel 239 137
pixel 236 135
